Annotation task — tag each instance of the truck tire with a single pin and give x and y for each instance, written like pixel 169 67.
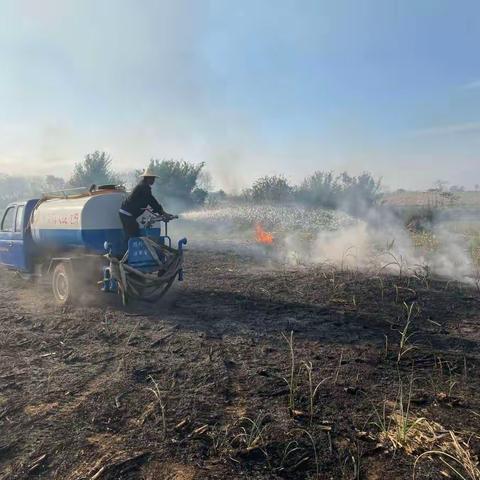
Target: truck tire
pixel 63 284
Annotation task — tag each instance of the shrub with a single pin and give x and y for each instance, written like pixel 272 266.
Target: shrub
pixel 199 195
pixel 320 189
pixel 359 193
pixel 355 194
pixel 273 188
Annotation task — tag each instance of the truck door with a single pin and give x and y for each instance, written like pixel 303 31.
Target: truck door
pixel 18 245
pixel 7 227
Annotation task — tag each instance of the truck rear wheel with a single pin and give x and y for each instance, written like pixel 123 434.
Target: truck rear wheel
pixel 63 284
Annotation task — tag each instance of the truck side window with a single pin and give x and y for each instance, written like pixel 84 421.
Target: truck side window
pixel 8 218
pixel 19 218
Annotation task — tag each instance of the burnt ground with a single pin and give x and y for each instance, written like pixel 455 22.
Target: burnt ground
pixel 193 388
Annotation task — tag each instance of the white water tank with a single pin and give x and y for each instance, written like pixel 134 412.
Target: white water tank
pixel 80 222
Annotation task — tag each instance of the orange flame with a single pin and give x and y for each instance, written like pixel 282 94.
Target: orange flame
pixel 262 236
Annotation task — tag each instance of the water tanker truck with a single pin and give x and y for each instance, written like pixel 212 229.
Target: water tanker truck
pixel 75 239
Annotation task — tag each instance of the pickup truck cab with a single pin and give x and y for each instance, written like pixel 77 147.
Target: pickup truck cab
pixel 16 243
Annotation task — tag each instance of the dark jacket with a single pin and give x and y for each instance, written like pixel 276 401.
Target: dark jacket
pixel 140 198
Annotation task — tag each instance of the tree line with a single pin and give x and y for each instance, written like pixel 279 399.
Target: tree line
pixel 321 189
pixel 181 185
pixel 178 183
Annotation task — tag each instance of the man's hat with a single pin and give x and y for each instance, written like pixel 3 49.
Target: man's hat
pixel 149 173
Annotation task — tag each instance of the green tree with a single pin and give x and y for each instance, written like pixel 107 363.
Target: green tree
pixel 17 187
pixel 273 188
pixel 96 169
pixel 53 183
pixel 320 189
pixel 355 194
pixel 359 193
pixel 177 182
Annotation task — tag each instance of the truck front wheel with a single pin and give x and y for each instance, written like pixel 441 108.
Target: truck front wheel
pixel 63 284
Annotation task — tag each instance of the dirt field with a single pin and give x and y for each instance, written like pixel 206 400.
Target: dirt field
pixel 194 388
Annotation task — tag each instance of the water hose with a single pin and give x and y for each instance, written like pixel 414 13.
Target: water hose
pixel 144 286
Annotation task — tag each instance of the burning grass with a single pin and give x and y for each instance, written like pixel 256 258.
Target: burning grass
pixel 378 244
pixel 261 236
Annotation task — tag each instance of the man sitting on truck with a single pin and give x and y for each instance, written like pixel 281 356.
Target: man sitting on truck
pixel 139 199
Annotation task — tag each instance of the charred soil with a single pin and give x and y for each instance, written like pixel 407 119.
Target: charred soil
pixel 243 371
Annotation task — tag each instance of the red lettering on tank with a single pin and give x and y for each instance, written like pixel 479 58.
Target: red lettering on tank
pixel 53 219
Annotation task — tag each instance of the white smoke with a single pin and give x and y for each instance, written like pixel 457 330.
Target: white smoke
pixel 388 247
pixel 379 243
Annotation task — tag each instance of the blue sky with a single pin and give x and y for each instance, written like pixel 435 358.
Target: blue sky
pixel 251 88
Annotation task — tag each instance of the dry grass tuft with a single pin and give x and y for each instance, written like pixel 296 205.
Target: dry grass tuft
pixel 409 433
pixel 426 439
pixel 455 455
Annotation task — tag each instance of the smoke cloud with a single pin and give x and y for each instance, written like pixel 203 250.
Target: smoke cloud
pixel 378 243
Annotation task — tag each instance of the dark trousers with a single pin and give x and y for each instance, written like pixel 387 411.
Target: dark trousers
pixel 130 226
